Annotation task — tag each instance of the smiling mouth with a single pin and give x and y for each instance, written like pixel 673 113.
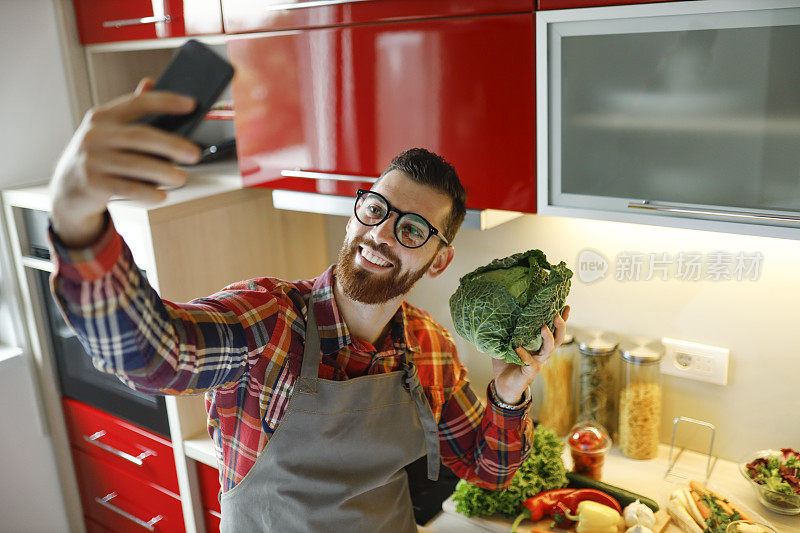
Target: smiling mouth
pixel 372 258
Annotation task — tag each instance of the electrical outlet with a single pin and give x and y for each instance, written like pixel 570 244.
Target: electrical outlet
pixel 691 360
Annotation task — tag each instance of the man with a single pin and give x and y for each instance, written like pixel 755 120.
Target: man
pixel 318 391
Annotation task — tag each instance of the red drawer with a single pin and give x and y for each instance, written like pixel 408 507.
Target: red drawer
pixel 122 444
pixel 212 521
pixel 127 20
pixel 124 503
pixel 208 478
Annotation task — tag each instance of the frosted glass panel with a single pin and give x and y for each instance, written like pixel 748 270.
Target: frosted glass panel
pixel 699 116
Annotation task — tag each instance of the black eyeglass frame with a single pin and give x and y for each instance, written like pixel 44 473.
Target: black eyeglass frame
pixel 389 209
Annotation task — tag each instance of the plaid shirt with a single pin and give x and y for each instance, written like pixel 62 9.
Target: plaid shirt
pixel 243 348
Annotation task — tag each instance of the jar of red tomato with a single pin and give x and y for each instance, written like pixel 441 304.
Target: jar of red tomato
pixel 588 443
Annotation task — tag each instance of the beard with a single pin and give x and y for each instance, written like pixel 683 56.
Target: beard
pixel 367 287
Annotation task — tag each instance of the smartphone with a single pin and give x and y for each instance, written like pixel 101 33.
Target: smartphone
pixel 196 71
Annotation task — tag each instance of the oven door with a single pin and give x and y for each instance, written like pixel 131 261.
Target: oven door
pixel 80 380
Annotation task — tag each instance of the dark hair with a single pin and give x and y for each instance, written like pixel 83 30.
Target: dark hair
pixel 426 168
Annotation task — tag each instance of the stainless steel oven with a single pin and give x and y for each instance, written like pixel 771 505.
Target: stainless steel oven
pixel 77 377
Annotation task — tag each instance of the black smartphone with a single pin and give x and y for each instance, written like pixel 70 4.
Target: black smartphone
pixel 196 71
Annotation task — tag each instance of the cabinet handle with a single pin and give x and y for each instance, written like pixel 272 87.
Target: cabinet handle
pixel 325 176
pixel 309 3
pixel 137 460
pixel 110 496
pixel 687 210
pixel 135 22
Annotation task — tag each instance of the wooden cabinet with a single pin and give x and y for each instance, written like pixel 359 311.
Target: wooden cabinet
pixel 125 20
pixel 209 222
pixel 334 105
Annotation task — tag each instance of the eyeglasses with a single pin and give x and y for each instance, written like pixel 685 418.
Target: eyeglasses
pixel 410 229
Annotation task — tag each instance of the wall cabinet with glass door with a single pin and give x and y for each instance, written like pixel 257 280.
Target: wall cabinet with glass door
pixel 683 114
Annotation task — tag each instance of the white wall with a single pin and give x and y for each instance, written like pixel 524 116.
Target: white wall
pixel 36 125
pixel 756 320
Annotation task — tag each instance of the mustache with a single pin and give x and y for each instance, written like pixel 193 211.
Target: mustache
pixel 382 249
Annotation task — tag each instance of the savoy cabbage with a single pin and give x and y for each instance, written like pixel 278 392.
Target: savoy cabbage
pixel 503 305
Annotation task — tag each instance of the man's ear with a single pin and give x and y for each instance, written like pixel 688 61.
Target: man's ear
pixel 443 259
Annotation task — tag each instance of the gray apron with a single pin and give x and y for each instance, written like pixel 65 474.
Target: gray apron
pixel 336 460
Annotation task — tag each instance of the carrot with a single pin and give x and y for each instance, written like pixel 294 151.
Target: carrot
pixel 726 505
pixel 701 506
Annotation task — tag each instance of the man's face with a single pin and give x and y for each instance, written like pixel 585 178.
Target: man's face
pixel 373 267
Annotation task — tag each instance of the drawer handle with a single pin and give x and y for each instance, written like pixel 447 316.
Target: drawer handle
pixel 688 210
pixel 111 495
pixel 135 22
pixel 325 176
pixel 137 460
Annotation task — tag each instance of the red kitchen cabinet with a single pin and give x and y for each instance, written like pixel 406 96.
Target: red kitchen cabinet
pixel 125 20
pixel 567 4
pixel 266 15
pixel 139 452
pixel 123 503
pixel 126 474
pixel 208 479
pixel 345 100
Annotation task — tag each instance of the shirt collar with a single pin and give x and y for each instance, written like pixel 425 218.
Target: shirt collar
pixel 333 332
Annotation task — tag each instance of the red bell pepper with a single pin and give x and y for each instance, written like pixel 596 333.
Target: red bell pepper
pixel 558 503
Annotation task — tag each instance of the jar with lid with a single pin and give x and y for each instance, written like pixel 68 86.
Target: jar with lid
pixel 596 377
pixel 557 412
pixel 640 397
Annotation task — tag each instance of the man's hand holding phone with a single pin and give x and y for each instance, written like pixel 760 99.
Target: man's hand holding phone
pixel 111 156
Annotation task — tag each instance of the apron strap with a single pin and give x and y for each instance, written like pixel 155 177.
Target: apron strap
pixel 311 351
pixel 414 386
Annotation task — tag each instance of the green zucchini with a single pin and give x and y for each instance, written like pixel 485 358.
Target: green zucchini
pixel 624 497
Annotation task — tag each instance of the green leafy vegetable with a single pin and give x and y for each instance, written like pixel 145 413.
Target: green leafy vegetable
pixel 542 470
pixel 503 305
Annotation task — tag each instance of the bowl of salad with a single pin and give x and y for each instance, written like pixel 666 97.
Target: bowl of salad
pixel 775 476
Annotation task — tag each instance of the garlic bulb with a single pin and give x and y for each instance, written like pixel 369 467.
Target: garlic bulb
pixel 639 529
pixel 638 514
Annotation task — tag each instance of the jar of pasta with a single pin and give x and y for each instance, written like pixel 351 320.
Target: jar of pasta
pixel 640 397
pixel 596 377
pixel 557 412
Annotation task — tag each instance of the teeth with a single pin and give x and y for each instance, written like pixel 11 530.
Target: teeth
pixel 373 258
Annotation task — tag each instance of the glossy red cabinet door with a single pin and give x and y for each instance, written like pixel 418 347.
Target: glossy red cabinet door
pixel 125 20
pixel 567 4
pixel 124 503
pixel 137 451
pixel 265 15
pixel 346 100
pixel 208 478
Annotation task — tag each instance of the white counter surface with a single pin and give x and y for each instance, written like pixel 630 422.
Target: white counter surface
pixel 647 478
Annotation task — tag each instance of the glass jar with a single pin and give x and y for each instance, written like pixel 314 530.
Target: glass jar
pixel 640 397
pixel 557 412
pixel 596 377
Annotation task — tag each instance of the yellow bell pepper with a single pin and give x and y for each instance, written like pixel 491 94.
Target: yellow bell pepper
pixel 595 517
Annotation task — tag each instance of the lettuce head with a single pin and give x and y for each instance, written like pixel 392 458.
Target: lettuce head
pixel 503 305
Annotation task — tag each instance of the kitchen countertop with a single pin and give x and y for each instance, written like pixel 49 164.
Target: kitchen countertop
pixel 648 478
